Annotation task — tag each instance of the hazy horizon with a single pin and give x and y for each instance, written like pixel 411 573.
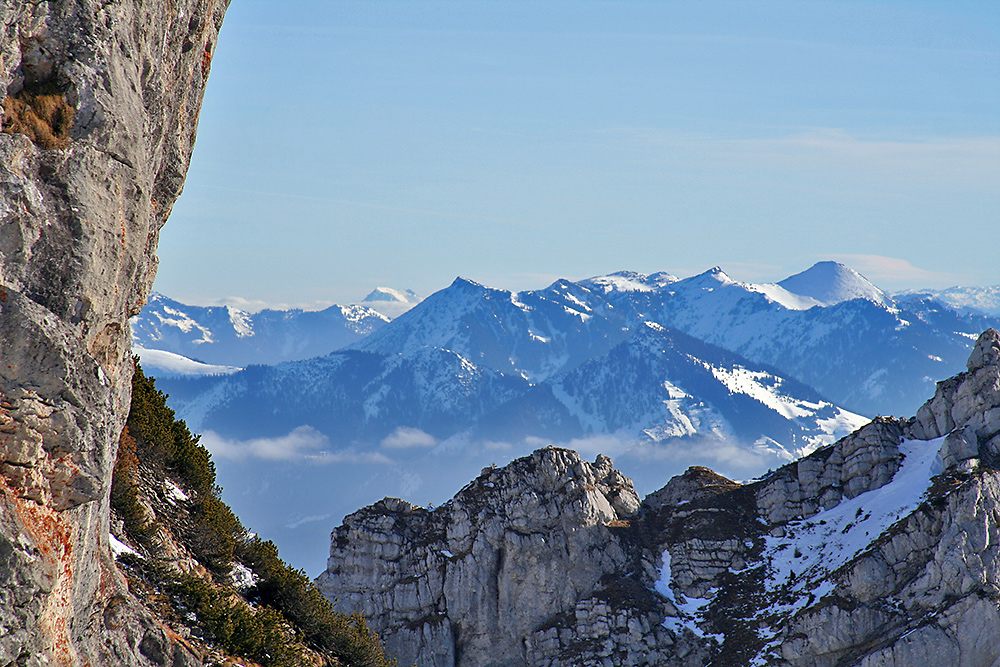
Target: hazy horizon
pixel 350 145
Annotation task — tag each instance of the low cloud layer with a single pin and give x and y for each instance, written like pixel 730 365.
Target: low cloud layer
pixel 302 443
pixel 406 437
pixel 878 268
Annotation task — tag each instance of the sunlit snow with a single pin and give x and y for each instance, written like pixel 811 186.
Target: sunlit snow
pixel 118 547
pixel 176 364
pixel 241 321
pixel 802 560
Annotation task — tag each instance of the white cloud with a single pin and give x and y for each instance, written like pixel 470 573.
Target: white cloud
pixel 405 437
pixel 966 163
pixel 878 268
pixel 349 456
pixel 255 305
pixel 303 443
pixel 308 519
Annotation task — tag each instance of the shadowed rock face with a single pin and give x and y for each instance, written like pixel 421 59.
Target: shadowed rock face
pixel 121 85
pixel 882 549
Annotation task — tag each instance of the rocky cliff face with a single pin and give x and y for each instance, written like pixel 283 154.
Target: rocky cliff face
pixel 881 549
pixel 101 104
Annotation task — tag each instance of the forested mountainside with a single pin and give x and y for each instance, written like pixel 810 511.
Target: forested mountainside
pixel 205 578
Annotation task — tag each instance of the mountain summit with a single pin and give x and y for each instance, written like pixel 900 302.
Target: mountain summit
pixel 831 283
pixel 389 294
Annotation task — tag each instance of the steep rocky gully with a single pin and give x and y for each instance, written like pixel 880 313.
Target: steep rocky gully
pixel 879 550
pixel 101 103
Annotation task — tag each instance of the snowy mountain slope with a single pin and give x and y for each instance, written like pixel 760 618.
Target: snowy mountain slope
pixel 869 356
pixel 536 334
pixel 164 364
pixel 864 356
pixel 831 283
pixel 474 375
pixel 351 397
pixel 662 385
pixel 629 281
pixel 229 336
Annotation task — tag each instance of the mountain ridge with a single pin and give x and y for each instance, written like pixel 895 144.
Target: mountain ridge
pixel 876 550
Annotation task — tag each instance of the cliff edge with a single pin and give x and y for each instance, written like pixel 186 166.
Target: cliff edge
pixel 100 105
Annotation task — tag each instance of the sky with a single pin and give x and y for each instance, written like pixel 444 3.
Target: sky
pixel 348 145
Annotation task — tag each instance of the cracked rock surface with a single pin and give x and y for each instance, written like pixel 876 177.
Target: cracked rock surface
pixel 79 222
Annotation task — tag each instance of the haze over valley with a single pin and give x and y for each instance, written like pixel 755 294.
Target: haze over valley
pixel 340 407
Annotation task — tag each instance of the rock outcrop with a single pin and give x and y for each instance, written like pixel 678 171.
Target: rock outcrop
pixel 879 550
pixel 513 569
pixel 101 104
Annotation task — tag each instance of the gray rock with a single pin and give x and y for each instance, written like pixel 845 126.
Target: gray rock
pixel 79 220
pixel 534 564
pixel 518 568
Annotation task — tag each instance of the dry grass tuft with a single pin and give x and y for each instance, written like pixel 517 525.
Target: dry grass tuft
pixel 42 114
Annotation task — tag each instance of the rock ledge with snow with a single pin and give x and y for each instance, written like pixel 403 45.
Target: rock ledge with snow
pixel 880 549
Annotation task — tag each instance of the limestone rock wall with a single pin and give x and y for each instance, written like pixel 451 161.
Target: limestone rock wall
pixel 537 564
pixel 119 85
pixel 523 567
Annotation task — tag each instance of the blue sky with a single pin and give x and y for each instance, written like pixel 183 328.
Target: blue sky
pixel 345 145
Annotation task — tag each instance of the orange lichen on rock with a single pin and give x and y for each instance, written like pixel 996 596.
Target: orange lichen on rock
pixel 51 533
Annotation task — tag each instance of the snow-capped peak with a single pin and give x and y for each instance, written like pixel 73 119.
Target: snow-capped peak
pixel 714 277
pixel 389 294
pixel 629 281
pixel 831 283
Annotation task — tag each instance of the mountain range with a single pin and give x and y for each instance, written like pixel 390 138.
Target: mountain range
pixel 650 368
pixel 879 549
pixel 228 336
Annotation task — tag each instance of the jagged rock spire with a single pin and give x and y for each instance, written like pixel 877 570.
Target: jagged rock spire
pixel 986 352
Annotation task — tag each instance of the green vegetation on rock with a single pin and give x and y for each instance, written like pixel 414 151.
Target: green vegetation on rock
pixel 281 620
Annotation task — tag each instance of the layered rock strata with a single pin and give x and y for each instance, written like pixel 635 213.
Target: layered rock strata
pixel 101 104
pixel 879 550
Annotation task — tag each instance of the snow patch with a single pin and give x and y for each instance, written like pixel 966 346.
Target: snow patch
pixel 242 577
pixel 174 492
pixel 241 322
pixel 800 563
pixel 185 323
pixel 783 297
pixel 691 609
pixel 118 548
pixel 161 362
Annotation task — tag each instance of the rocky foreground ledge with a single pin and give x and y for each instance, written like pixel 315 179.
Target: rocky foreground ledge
pixel 878 550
